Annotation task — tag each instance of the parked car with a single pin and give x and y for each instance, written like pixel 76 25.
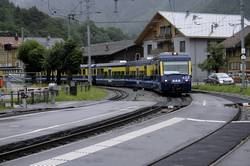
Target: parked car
pixel 219 78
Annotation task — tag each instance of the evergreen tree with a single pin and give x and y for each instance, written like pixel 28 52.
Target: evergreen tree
pixel 216 58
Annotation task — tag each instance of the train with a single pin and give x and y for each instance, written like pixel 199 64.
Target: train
pixel 164 73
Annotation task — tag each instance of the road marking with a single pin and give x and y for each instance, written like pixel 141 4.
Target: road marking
pixel 204 103
pixel 60 109
pixel 240 121
pixel 60 125
pixel 209 121
pixel 106 144
pixel 131 107
pixel 27 115
pixel 39 113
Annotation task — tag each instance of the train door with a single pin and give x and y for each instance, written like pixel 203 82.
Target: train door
pixel 109 74
pixel 127 72
pixel 1 81
pixel 137 72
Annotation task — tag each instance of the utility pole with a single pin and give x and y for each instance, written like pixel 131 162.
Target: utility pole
pixel 22 31
pixel 70 17
pixel 69 26
pixel 243 50
pixel 88 39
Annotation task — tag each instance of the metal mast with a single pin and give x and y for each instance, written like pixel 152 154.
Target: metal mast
pixel 243 50
pixel 88 41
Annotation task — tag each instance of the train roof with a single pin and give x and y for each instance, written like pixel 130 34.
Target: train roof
pixel 139 62
pixel 161 57
pixel 173 57
pixel 110 64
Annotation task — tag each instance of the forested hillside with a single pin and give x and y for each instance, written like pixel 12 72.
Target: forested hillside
pixel 37 23
pixel 131 16
pixel 226 7
pixel 33 21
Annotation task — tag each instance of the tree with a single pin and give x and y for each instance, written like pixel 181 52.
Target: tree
pixel 216 58
pixel 31 53
pixel 73 58
pixel 63 57
pixel 54 61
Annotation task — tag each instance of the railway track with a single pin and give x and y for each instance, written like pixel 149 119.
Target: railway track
pixel 212 148
pixel 205 151
pixel 12 151
pixel 119 94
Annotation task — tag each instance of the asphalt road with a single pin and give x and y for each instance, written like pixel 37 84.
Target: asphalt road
pixel 23 127
pixel 142 143
pixel 240 156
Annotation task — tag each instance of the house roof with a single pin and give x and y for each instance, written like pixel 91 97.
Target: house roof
pixel 199 25
pixel 109 48
pixel 46 42
pixel 14 41
pixel 235 39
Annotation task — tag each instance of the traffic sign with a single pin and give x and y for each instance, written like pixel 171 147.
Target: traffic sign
pixel 243 51
pixel 243 57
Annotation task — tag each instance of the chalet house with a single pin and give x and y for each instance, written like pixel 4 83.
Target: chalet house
pixel 187 33
pixel 8 54
pixel 233 52
pixel 114 52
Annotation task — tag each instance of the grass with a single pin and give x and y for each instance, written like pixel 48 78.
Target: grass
pixel 39 85
pixel 4 108
pixel 223 88
pixel 94 93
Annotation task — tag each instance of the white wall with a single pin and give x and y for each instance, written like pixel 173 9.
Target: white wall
pixel 177 44
pixel 145 47
pixel 198 53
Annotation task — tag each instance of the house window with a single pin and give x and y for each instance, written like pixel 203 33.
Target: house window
pixel 176 32
pixel 149 49
pixel 165 31
pixel 160 45
pixel 182 46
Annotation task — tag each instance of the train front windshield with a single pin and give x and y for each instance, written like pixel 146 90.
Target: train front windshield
pixel 180 67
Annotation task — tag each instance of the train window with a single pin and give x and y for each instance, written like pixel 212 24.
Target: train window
pixel 156 70
pixel 100 71
pixel 109 72
pixel 175 67
pixel 105 74
pixel 122 74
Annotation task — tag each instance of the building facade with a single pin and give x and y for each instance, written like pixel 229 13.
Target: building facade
pixel 124 50
pixel 187 33
pixel 9 62
pixel 233 53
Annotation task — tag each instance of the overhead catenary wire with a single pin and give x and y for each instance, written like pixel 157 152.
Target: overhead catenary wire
pixel 172 10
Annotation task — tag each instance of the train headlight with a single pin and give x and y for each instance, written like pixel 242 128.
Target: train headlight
pixel 176 80
pixel 186 78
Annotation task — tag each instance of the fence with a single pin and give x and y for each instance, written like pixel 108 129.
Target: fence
pixel 32 97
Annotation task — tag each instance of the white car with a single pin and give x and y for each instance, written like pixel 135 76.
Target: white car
pixel 219 78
